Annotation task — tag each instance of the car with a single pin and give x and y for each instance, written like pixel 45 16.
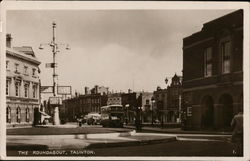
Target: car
pixel 93 118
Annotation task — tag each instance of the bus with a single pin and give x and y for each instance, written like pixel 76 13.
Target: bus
pixel 112 116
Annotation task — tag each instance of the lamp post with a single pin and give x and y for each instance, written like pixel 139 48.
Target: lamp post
pixel 152 108
pixel 137 119
pixel 179 109
pixel 127 106
pixel 55 46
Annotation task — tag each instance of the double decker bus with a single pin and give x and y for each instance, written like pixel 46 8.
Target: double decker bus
pixel 112 116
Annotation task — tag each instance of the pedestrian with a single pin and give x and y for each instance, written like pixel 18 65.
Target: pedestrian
pixel 237 135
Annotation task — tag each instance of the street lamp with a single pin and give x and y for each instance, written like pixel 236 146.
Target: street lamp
pixel 152 108
pixel 54 46
pixel 127 106
pixel 137 118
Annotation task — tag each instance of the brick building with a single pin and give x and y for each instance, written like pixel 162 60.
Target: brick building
pixel 22 84
pixel 213 73
pixel 82 105
pixel 129 102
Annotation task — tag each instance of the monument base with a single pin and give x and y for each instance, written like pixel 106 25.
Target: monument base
pixel 56 120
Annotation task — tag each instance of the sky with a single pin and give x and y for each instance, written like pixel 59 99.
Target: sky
pixel 119 49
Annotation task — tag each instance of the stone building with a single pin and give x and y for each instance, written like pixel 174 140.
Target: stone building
pixel 174 96
pixel 145 99
pixel 213 73
pixel 22 84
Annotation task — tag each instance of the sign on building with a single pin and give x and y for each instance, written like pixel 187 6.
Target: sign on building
pixel 46 89
pixel 55 100
pixel 64 90
pixel 51 65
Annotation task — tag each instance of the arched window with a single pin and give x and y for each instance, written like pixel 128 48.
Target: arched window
pixel 18 114
pixel 27 114
pixel 8 115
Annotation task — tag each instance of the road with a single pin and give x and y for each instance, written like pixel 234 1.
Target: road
pixel 185 146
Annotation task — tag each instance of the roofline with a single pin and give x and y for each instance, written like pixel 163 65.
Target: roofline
pixel 231 13
pixel 15 53
pixel 198 32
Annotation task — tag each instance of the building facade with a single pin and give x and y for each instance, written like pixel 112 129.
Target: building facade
pixel 160 97
pixel 129 103
pixel 148 107
pixel 22 84
pixel 82 105
pixel 174 96
pixel 213 73
pixel 97 90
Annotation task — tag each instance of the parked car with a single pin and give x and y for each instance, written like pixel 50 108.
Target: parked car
pixel 93 118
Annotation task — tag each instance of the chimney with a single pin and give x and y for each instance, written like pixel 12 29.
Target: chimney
pixel 96 89
pixel 8 40
pixel 86 90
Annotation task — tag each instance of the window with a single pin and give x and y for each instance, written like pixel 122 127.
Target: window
pixel 7 87
pixel 17 88
pixel 33 72
pixel 8 115
pixel 18 114
pixel 34 91
pixel 225 50
pixel 7 65
pixel 16 68
pixel 26 90
pixel 27 114
pixel 208 62
pixel 25 70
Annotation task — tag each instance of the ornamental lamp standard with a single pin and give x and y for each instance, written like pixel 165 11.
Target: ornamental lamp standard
pixel 55 49
pixel 152 109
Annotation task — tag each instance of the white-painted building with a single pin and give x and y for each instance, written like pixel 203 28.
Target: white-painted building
pixel 22 84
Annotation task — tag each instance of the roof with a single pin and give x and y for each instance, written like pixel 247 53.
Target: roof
pixel 25 49
pixel 210 29
pixel 22 55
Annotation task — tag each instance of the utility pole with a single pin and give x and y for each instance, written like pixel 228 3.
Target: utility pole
pixel 54 50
